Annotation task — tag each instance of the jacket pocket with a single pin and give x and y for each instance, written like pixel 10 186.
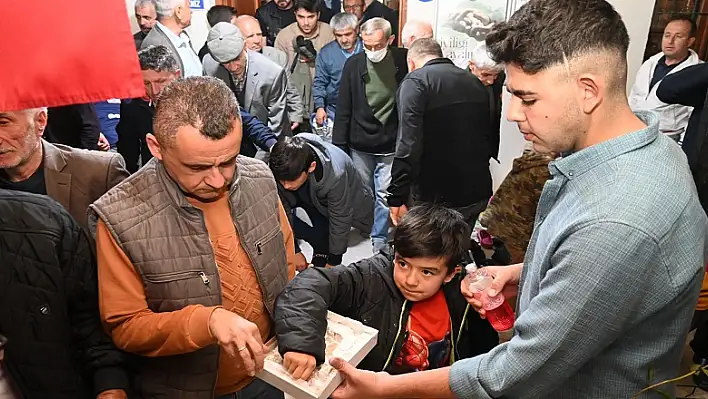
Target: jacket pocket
pixel 161 278
pixel 171 291
pixel 263 241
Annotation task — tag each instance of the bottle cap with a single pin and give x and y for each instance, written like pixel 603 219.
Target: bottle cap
pixel 471 268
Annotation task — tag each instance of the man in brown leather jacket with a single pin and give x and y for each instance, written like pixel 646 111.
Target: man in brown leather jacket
pixel 192 251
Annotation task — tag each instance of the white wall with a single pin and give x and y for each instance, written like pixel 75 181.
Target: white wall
pixel 637 17
pixel 198 31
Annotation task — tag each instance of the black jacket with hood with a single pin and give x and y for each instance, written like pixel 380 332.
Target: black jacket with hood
pixel 365 291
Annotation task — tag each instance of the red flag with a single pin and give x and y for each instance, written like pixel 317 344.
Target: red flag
pixel 57 53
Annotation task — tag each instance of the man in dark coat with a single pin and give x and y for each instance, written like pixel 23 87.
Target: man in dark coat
pixel 445 136
pixel 49 305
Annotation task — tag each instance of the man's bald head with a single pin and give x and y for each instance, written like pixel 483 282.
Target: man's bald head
pixel 251 30
pixel 414 30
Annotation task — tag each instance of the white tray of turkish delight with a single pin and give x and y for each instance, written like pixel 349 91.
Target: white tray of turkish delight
pixel 345 338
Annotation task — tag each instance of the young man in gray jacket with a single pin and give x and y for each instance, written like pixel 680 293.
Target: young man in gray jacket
pixel 322 180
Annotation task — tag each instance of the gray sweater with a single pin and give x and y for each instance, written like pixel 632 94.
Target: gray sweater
pixel 340 195
pixel 610 279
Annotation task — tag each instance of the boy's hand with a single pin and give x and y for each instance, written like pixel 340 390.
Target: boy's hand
pixel 506 281
pixel 300 261
pixel 299 365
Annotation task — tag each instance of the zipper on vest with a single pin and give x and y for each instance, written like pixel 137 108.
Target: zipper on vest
pixel 204 277
pixel 259 248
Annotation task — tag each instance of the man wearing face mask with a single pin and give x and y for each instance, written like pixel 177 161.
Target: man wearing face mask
pixel 366 122
pixel 444 139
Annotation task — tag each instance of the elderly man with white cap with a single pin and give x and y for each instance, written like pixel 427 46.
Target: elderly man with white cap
pixel 260 85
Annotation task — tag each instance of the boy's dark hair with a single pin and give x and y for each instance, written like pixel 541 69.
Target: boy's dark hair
pixel 289 157
pixel 544 33
pixel 687 18
pixel 307 5
pixel 220 13
pixel 433 231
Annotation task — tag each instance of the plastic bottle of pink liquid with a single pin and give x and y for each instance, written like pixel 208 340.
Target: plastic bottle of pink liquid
pixel 499 312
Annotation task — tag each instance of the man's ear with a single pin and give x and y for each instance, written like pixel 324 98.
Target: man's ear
pixel 691 41
pixel 40 121
pixel 452 274
pixel 391 39
pixel 178 74
pixel 594 89
pixel 154 146
pixel 312 167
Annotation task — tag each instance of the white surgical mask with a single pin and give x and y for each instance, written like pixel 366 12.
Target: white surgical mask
pixel 376 56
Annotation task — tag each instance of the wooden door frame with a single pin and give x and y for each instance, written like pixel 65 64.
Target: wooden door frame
pixel 402 17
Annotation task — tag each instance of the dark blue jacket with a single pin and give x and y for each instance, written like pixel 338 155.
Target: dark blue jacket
pixel 328 74
pixel 255 132
pixel 108 113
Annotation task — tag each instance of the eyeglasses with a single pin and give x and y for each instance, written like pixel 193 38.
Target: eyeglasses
pixel 356 7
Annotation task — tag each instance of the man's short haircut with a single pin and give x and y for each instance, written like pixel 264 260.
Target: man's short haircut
pixel 289 157
pixel 433 231
pixel 165 8
pixel 374 24
pixel 203 102
pixel 307 5
pixel 144 3
pixel 546 33
pixel 687 18
pixel 343 21
pixel 157 58
pixel 220 13
pixel 426 47
pixel 482 59
pixel 417 28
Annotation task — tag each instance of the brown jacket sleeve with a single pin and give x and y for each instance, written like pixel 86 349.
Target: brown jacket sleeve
pixel 289 240
pixel 116 171
pixel 125 314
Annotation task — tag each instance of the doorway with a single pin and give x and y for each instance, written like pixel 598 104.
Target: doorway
pixel 664 10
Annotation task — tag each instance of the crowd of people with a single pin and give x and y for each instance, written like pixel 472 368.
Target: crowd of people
pixel 152 247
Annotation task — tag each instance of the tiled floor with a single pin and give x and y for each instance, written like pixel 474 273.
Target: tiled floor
pixel 359 246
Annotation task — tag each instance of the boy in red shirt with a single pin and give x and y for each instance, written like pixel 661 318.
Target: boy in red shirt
pixel 413 299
